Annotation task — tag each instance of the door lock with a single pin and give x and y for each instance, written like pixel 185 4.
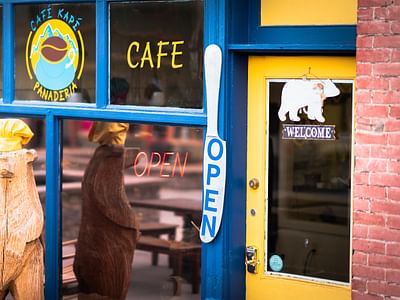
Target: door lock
pixel 251 259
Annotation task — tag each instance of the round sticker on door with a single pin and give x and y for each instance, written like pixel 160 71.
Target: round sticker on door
pixel 276 263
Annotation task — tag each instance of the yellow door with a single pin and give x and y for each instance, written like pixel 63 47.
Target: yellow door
pixel 299 177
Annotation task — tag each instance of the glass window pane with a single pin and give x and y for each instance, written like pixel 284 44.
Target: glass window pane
pixel 309 185
pixel 158 189
pixel 156 46
pixel 55 52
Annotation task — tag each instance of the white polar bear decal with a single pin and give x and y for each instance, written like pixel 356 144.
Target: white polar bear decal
pixel 298 93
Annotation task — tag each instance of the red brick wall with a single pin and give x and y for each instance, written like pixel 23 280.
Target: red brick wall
pixel 376 229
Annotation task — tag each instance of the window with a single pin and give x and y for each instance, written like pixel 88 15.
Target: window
pixel 156 46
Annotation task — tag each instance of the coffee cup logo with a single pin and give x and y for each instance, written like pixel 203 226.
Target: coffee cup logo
pixel 55 58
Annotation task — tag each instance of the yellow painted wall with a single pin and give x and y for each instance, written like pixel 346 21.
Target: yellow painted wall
pixel 308 12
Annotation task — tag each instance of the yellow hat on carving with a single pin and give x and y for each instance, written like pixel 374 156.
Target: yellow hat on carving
pixel 13 134
pixel 108 133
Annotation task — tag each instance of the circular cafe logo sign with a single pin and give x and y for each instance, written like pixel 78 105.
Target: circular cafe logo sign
pixel 54 54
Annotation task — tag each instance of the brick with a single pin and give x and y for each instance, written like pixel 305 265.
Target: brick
pixel 393 13
pixel 388 97
pixel 361 164
pixel 383 234
pixel 377 165
pixel 394 139
pixel 394 165
pixel 375 287
pixel 393 193
pixel 373 55
pixel 370 192
pixel 359 284
pixel 361 178
pixel 364 42
pixel 394 84
pixel 393 249
pixel 363 69
pixel 360 231
pixel 373 27
pixel 366 138
pixel 394 223
pixel 372 83
pixel 384 261
pixel 393 290
pixel 389 41
pixel 385 179
pixel 365 14
pixel 363 296
pixel 380 13
pixel 385 151
pixel 367 124
pixel 388 207
pixel 386 69
pixel 368 218
pixel 376 111
pixel 362 150
pixel 373 3
pixel 368 246
pixel 395 28
pixel 392 125
pixel 393 276
pixel 362 271
pixel 363 96
pixel 360 258
pixel 394 111
pixel 360 204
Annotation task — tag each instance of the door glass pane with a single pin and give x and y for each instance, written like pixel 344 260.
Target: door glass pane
pixel 158 191
pixel 55 52
pixel 309 161
pixel 157 46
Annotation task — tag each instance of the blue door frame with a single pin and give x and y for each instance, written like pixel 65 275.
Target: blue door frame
pixel 233 25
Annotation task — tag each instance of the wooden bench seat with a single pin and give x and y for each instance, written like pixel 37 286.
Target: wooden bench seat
pixel 177 251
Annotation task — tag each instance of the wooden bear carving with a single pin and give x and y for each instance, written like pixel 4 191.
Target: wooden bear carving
pixel 21 219
pixel 109 230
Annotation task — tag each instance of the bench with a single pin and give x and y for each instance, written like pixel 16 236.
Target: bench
pixel 156 229
pixel 177 252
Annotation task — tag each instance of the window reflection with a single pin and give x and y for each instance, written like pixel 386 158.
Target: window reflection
pixel 309 190
pixel 157 47
pixel 162 182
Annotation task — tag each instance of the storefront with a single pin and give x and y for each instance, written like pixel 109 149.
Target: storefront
pixel 287 215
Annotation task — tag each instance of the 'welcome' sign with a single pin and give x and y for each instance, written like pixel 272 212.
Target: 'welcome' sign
pixel 214 164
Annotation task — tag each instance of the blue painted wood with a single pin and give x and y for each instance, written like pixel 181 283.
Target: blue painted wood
pixel 53 209
pixel 8 53
pixel 213 254
pixel 235 208
pixel 102 54
pixel 294 48
pixel 164 115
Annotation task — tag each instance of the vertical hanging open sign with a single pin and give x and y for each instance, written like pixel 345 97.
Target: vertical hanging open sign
pixel 214 163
